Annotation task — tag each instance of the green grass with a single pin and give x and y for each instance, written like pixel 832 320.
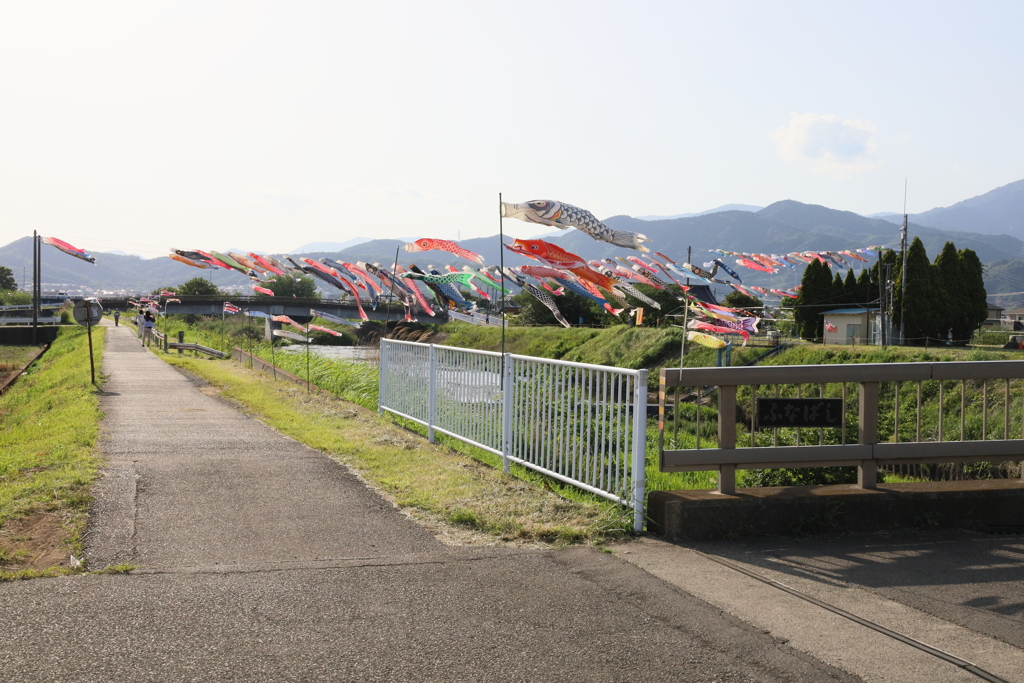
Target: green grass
pixel 15 357
pixel 653 348
pixel 50 424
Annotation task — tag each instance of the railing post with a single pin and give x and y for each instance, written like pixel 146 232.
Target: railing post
pixel 507 402
pixel 431 391
pixel 726 436
pixel 382 374
pixel 639 450
pixel 867 471
pixel 181 340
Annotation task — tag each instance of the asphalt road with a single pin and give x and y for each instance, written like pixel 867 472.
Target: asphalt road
pixel 263 560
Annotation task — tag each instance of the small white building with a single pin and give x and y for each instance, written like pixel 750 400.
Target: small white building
pixel 852 326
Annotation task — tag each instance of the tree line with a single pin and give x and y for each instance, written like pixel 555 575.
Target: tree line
pixel 943 297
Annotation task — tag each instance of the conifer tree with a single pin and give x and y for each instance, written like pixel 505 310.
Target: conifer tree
pixel 815 296
pixel 920 310
pixel 839 295
pixel 955 304
pixel 973 283
pixel 851 290
pixel 867 291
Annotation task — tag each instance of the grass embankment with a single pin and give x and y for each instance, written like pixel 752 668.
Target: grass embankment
pixel 434 483
pixel 49 424
pixel 656 347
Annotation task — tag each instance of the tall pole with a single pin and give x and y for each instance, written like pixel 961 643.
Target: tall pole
pixel 686 313
pixel 501 261
pixel 903 273
pixel 881 297
pixel 392 301
pixel 36 256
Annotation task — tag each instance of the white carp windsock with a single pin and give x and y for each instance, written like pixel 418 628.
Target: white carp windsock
pixel 563 216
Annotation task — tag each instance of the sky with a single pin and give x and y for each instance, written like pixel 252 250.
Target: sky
pixel 267 125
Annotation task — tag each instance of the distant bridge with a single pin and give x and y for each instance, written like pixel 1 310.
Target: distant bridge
pixel 280 305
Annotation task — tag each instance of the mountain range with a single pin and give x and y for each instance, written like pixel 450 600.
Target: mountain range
pixel 1000 211
pixel 782 227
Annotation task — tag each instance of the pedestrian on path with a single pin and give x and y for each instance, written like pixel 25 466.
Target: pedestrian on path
pixel 148 323
pixel 117 316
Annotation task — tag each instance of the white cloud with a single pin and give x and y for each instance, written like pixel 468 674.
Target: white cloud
pixel 839 149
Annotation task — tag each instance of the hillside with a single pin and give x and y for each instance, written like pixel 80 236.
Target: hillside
pixel 782 227
pixel 1000 211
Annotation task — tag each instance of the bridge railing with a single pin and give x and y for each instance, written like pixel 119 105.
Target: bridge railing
pixel 581 424
pixel 868 415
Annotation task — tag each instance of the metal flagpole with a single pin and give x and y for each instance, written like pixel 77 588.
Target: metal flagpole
pixel 501 260
pixel 506 367
pixel 392 302
pixel 903 273
pixel 35 287
pixel 686 314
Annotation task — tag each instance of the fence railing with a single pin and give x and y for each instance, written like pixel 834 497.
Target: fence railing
pixel 805 416
pixel 581 424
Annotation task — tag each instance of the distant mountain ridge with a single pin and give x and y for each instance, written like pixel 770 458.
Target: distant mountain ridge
pixel 1000 211
pixel 329 246
pixel 717 209
pixel 781 227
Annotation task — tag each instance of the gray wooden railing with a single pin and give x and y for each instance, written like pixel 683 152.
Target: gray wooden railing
pixel 932 445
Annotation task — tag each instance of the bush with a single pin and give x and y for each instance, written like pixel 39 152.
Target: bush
pixel 801 476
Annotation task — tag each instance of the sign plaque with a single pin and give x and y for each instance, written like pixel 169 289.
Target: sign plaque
pixel 799 412
pixel 88 312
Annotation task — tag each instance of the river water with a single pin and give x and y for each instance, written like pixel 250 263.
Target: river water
pixel 362 353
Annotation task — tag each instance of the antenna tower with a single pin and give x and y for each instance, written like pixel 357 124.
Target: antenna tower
pixel 903 272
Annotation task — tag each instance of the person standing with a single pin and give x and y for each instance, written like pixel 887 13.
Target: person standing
pixel 148 323
pixel 117 316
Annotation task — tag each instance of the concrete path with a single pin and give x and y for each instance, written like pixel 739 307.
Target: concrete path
pixel 958 592
pixel 262 560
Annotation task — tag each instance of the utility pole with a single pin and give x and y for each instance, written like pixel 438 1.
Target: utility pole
pixel 882 288
pixel 36 257
pixel 903 273
pixel 686 315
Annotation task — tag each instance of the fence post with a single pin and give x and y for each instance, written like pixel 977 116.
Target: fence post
pixel 867 471
pixel 507 399
pixel 726 436
pixel 431 391
pixel 382 365
pixel 639 449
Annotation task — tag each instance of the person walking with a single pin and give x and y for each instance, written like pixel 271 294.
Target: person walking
pixel 148 323
pixel 117 316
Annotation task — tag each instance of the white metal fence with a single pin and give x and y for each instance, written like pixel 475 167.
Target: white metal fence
pixel 582 424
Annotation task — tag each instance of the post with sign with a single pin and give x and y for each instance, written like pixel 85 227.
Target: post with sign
pixel 88 312
pixel 296 337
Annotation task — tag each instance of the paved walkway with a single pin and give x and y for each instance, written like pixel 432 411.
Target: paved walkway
pixel 263 560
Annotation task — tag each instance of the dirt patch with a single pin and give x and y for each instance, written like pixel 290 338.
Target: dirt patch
pixel 34 542
pixel 210 390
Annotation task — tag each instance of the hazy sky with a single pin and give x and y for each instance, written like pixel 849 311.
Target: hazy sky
pixel 266 125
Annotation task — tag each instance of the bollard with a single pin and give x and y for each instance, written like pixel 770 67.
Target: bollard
pixel 181 339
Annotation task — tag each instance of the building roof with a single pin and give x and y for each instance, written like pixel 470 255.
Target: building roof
pixel 993 306
pixel 848 311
